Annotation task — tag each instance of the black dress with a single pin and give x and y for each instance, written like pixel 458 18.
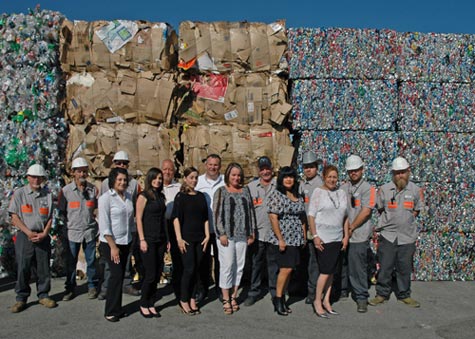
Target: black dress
pixel 191 210
pixel 154 229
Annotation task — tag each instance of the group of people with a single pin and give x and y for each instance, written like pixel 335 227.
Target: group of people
pixel 214 222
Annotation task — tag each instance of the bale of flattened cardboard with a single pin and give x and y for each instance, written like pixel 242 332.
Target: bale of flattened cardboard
pixel 146 145
pixel 236 98
pixel 118 44
pixel 119 96
pixel 232 46
pixel 236 143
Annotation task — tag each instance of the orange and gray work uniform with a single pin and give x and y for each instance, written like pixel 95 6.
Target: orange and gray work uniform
pixel 360 195
pixel 259 250
pixel 398 228
pixel 397 220
pixel 35 209
pixel 78 208
pixel 306 189
pixel 355 265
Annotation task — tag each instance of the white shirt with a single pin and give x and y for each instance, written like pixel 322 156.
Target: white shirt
pixel 170 192
pixel 329 209
pixel 208 187
pixel 116 217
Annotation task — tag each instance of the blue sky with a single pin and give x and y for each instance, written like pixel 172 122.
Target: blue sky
pixel 448 16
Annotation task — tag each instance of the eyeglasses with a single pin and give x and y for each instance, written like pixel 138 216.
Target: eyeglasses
pixel 121 163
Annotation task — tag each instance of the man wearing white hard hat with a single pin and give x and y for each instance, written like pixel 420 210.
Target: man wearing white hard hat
pixel 121 160
pixel 310 182
pixel 77 204
pixel 399 203
pixel 31 212
pixel 361 202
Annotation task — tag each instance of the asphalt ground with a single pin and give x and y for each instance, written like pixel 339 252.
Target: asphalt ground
pixel 447 311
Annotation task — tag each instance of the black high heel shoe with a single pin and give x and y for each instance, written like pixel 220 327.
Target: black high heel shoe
pixel 332 311
pixel 190 312
pixel 279 307
pixel 323 315
pixel 154 314
pixel 148 316
pixel 286 307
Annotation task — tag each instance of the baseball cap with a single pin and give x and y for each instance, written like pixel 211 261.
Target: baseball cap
pixel 264 162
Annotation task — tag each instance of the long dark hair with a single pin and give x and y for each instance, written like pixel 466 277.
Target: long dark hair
pixel 227 173
pixel 287 171
pixel 149 190
pixel 114 173
pixel 184 186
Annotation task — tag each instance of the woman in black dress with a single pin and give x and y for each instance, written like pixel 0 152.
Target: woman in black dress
pixel 287 215
pixel 153 237
pixel 190 220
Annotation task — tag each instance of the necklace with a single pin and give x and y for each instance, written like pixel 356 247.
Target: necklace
pixel 333 201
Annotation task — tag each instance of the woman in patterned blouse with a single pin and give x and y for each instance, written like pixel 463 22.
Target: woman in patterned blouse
pixel 235 223
pixel 287 215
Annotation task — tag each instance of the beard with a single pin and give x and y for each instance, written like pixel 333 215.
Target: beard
pixel 401 183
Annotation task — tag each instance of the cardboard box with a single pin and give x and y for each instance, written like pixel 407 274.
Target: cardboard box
pixel 119 96
pixel 152 48
pixel 249 99
pixel 233 46
pixel 237 143
pixel 146 145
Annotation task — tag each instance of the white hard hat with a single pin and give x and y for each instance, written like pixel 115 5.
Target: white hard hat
pixel 310 158
pixel 79 162
pixel 36 171
pixel 121 155
pixel 400 164
pixel 353 162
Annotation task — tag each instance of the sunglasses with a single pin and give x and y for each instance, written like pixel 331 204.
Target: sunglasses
pixel 125 163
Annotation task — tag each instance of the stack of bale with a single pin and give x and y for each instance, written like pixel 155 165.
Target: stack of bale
pixel 380 94
pixel 436 110
pixel 31 127
pixel 233 80
pixel 120 78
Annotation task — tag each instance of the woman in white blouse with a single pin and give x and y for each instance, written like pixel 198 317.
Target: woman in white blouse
pixel 116 219
pixel 329 227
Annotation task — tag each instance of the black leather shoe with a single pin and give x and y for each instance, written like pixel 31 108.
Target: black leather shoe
pixel 333 312
pixel 112 318
pixel 309 300
pixel 279 307
pixel 249 301
pixel 362 306
pixel 322 315
pixel 148 316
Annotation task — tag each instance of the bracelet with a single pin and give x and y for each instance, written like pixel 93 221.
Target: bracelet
pixel 314 236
